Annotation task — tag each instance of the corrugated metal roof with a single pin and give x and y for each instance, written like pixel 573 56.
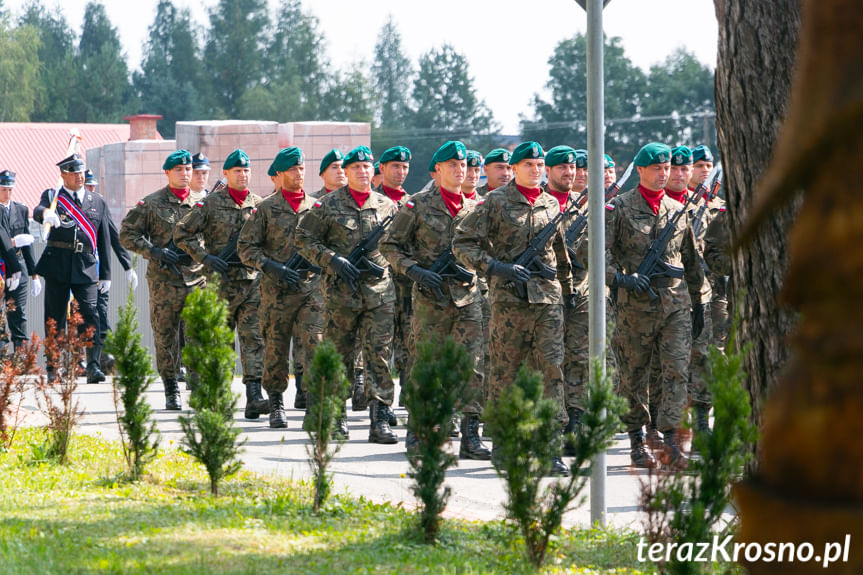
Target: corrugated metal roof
pixel 32 150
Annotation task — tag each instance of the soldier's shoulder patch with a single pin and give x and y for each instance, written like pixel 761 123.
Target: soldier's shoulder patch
pixel 140 202
pixel 318 204
pixel 480 202
pixel 254 210
pixel 721 208
pixel 410 204
pixel 199 204
pixel 609 207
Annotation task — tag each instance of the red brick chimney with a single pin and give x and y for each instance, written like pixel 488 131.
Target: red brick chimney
pixel 143 126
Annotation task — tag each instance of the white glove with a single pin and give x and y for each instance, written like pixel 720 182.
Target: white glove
pixel 35 286
pixel 12 282
pixel 132 278
pixel 22 240
pixel 49 216
pixel 104 286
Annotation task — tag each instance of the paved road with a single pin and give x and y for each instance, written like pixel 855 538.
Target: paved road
pixel 378 472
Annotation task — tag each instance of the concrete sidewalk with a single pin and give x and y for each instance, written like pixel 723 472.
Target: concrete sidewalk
pixel 377 472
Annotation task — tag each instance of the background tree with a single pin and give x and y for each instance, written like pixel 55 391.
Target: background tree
pixel 392 74
pixel 349 96
pixel 757 47
pixel 19 71
pixel 170 72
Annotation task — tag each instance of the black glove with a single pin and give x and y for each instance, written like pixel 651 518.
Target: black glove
pixel 424 277
pixel 164 255
pixel 509 272
pixel 631 282
pixel 281 272
pixel 698 311
pixel 570 301
pixel 345 269
pixel 216 263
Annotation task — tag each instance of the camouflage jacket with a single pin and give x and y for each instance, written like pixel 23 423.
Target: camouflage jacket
pixel 500 228
pixel 716 244
pixel 630 227
pixel 421 232
pixel 579 274
pixel 335 226
pixel 208 228
pixel 270 233
pixel 151 223
pixel 483 190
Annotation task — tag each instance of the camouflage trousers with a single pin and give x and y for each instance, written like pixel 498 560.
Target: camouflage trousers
pixel 527 333
pixel 486 319
pixel 285 314
pixel 576 349
pixel 166 305
pixel 373 328
pixel 244 303
pixel 719 310
pixel 638 333
pixel 434 321
pixel 402 356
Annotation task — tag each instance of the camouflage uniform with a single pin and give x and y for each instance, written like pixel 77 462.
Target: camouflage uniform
pixel 421 232
pixel 500 228
pixel 483 190
pixel 151 223
pixel 269 234
pixel 334 227
pixel 718 277
pixel 643 324
pixel 207 230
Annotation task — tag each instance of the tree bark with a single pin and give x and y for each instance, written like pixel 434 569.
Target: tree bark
pixel 757 47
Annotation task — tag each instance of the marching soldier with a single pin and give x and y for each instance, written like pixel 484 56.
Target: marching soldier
pixel 291 301
pixel 420 233
pixel 14 218
pixel 200 174
pixel 610 173
pixel 633 221
pixel 498 171
pixel 332 173
pixel 148 230
pixel 489 239
pixel 76 257
pixel 472 174
pixel 358 304
pixel 209 234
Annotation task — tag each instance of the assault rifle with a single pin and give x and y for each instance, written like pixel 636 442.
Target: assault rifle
pixel 529 258
pixel 715 183
pixel 653 265
pixel 183 259
pixel 229 252
pixel 359 255
pixel 302 266
pixel 446 266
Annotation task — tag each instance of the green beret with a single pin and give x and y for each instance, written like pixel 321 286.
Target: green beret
pixel 287 158
pixel 526 150
pixel 333 155
pixel 271 171
pixel 681 156
pixel 358 154
pixel 178 158
pixel 581 158
pixel 474 159
pixel 498 155
pixel 652 153
pixel 432 165
pixel 396 154
pixel 609 163
pixel 451 150
pixel 560 155
pixel 702 153
pixel 237 158
pixel 377 168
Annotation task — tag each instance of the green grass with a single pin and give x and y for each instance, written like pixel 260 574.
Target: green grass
pixel 83 518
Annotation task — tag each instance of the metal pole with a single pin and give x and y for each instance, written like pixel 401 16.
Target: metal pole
pixel 596 230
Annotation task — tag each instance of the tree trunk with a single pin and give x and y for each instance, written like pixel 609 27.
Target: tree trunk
pixel 757 47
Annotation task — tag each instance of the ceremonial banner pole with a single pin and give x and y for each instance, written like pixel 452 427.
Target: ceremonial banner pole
pixel 74 147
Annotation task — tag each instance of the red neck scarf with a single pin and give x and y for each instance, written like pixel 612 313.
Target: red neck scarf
pixel 530 194
pixel 360 197
pixel 652 198
pixel 181 194
pixel 294 198
pixel 327 191
pixel 562 198
pixel 471 195
pixel 238 196
pixel 680 197
pixel 452 201
pixel 395 194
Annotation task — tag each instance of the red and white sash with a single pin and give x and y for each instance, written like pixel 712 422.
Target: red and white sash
pixel 77 214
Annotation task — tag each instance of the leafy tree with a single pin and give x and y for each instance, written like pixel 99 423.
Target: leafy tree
pixel 392 74
pixel 348 97
pixel 102 88
pixel 170 73
pixel 232 56
pixel 19 71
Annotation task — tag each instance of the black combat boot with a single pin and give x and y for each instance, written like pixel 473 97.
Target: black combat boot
pixel 359 401
pixel 639 454
pixel 94 370
pixel 172 395
pixel 341 431
pixel 454 426
pixel 256 404
pixel 471 446
pixel 379 431
pixel 572 428
pixel 278 417
pixel 300 400
pixel 654 440
pixel 673 457
pixel 558 467
pixel 701 414
pixel 391 417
